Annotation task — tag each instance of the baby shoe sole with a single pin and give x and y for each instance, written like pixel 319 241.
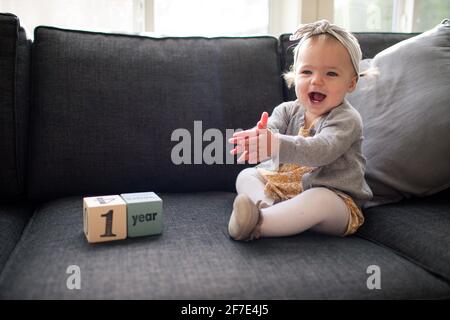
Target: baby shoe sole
pixel 244 207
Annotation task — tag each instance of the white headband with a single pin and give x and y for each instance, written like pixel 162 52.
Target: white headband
pixel 323 26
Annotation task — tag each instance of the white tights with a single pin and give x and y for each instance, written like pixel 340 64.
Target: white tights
pixel 318 209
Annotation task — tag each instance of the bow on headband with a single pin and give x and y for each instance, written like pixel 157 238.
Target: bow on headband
pixel 310 29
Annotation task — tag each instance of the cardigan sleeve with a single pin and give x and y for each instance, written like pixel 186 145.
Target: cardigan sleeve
pixel 338 132
pixel 279 119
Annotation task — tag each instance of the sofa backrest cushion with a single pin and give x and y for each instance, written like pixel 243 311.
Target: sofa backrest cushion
pixel 106 106
pixel 405 111
pixel 14 105
pixel 371 43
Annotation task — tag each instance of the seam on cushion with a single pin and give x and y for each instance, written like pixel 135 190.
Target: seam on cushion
pixel 30 121
pixel 407 257
pixel 19 244
pixel 14 109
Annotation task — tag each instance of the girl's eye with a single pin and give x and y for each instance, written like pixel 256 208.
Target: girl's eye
pixel 332 74
pixel 305 72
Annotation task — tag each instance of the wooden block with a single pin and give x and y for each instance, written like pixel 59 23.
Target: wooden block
pixel 144 213
pixel 104 218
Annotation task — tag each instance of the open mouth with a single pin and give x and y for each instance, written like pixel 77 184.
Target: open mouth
pixel 316 97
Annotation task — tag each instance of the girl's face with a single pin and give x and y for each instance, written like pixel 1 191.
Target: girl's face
pixel 324 74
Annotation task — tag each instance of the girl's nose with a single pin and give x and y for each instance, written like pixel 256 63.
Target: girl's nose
pixel 317 79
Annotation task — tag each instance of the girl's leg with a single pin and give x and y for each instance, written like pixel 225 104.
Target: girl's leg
pixel 318 209
pixel 251 183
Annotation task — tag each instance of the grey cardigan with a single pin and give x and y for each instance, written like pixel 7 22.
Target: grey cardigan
pixel 334 148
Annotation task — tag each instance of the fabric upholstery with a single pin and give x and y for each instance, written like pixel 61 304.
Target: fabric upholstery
pixel 14 105
pixel 13 218
pixel 107 105
pixel 194 258
pixel 418 229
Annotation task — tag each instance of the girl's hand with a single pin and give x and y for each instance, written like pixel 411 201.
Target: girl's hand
pixel 255 144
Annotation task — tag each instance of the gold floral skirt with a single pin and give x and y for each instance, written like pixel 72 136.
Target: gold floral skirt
pixel 285 183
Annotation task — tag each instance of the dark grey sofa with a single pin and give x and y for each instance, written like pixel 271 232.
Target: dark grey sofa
pixel 85 114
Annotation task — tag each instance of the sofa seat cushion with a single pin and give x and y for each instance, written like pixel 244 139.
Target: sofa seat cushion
pixel 194 258
pixel 13 218
pixel 418 229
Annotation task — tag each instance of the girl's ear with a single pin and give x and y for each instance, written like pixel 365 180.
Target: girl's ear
pixel 352 85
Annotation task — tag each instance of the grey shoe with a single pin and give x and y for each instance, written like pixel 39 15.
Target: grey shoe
pixel 246 219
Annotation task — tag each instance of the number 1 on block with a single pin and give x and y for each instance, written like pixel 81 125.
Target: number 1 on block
pixel 105 218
